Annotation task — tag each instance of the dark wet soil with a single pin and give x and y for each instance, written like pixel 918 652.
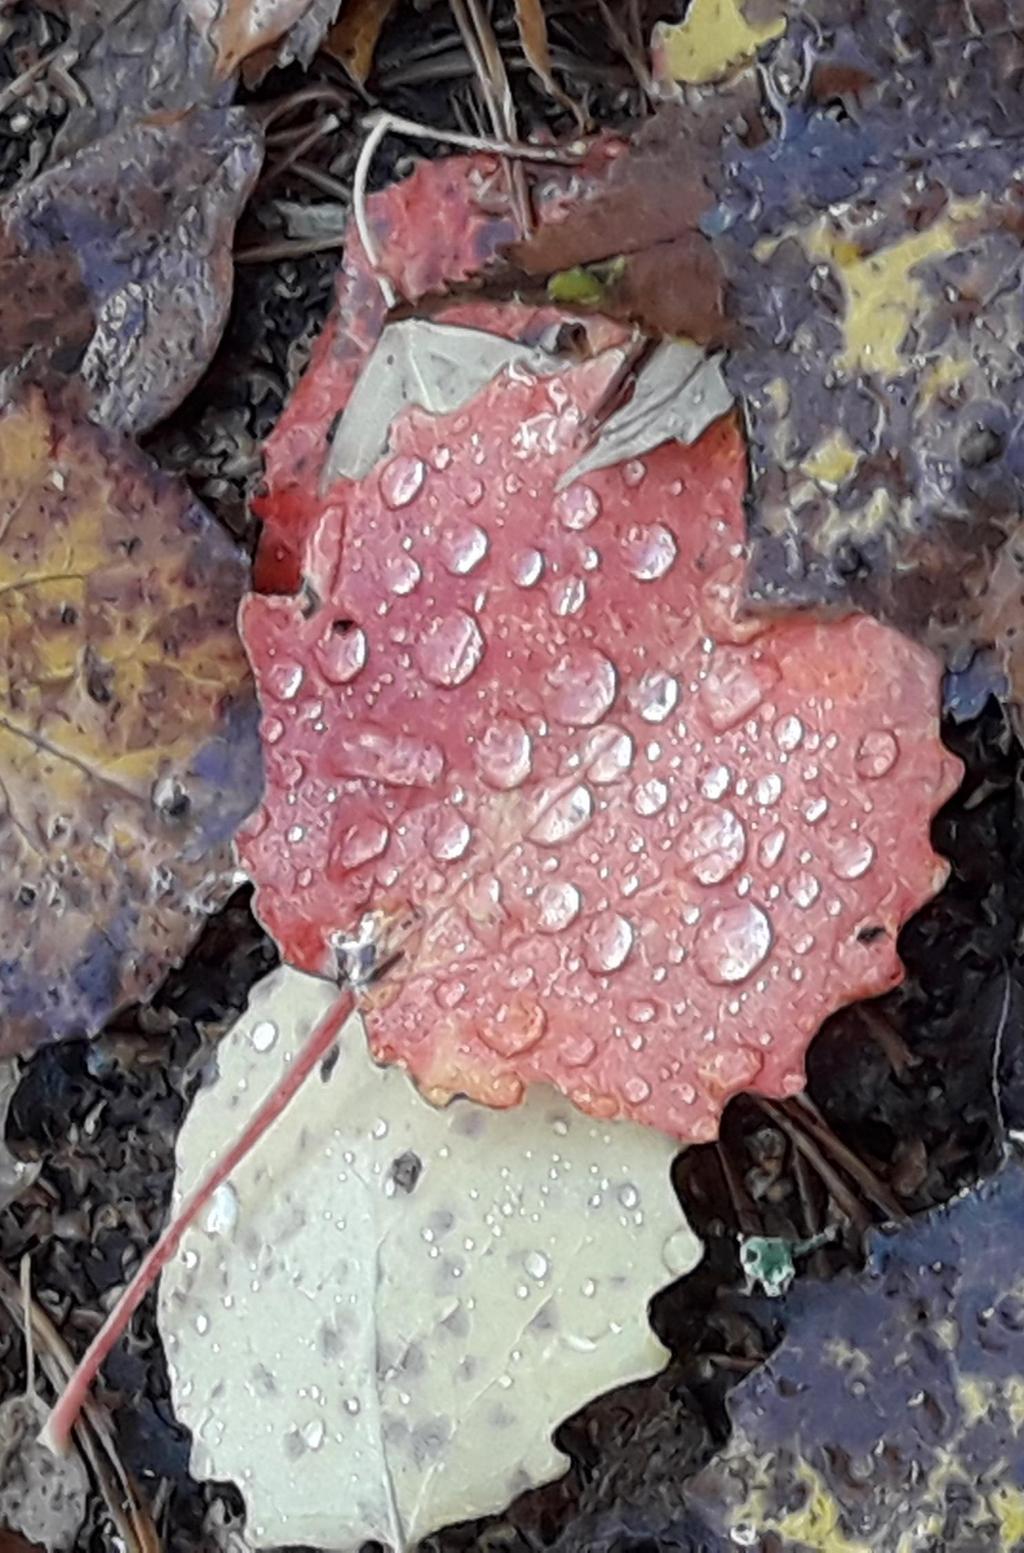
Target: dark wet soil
pixel 907 1092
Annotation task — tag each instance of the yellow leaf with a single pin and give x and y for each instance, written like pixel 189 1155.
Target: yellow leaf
pixel 715 38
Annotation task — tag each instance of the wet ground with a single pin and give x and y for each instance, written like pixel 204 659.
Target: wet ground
pixel 907 1097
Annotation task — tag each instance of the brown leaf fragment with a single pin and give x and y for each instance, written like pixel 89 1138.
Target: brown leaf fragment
pixel 637 210
pixel 117 263
pixel 354 37
pixel 889 1418
pixel 128 751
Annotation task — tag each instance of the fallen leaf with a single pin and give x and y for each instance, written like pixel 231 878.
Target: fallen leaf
pixel 872 242
pixel 436 1289
pixel 532 726
pixel 42 1497
pixel 128 748
pixel 132 59
pixel 117 263
pixel 715 38
pixel 283 30
pixel 354 37
pixel 890 1415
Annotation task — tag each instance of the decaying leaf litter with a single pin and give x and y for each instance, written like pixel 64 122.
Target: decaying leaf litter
pixel 996 783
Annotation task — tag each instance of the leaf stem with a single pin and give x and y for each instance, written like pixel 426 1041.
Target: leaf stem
pixel 322 1037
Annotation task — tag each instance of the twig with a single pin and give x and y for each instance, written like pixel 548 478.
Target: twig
pixel 318 1043
pixel 325 182
pixel 846 1200
pixel 289 248
pixel 496 90
pixel 61 55
pixel 746 1214
pixel 93 1435
pixel 272 111
pixel 325 126
pixel 807 1114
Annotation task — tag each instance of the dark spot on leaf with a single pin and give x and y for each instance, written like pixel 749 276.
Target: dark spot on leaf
pixel 406 1171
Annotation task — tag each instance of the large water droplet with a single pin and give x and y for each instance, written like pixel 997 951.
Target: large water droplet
pixel 734 687
pixel 565 817
pixel 559 905
pixel 401 480
pixel 715 846
pixel 222 1214
pixel 450 648
pixel 734 941
pixel 681 1252
pixel 515 1027
pixel 583 682
pixel 876 754
pixel 578 506
pixel 284 680
pixel 568 596
pixel 851 857
pixel 341 652
pixel 649 551
pixel 263 1035
pixel 504 754
pixel 655 695
pixel 463 546
pixel 768 789
pixel 788 732
pixel 527 568
pixel 609 939
pixel 715 782
pixel 770 847
pixel 400 573
pixel 607 754
pixel 536 1265
pixel 447 836
pixel 399 760
pixel 361 843
pixel 650 797
pixel 803 889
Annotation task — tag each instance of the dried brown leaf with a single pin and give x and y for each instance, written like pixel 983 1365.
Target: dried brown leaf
pixel 354 37
pixel 281 30
pixel 117 263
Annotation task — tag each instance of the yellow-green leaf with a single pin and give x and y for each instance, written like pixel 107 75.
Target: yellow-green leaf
pixel 715 38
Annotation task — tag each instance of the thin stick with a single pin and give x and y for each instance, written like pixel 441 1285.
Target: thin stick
pixel 132 1520
pixel 318 1043
pixel 564 156
pixel 61 55
pixel 837 1188
pixel 289 248
pixel 870 1184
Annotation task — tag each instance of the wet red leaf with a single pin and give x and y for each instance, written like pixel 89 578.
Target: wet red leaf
pixel 442 227
pixel 636 847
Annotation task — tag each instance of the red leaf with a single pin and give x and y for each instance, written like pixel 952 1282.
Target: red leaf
pixel 441 227
pixel 637 848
